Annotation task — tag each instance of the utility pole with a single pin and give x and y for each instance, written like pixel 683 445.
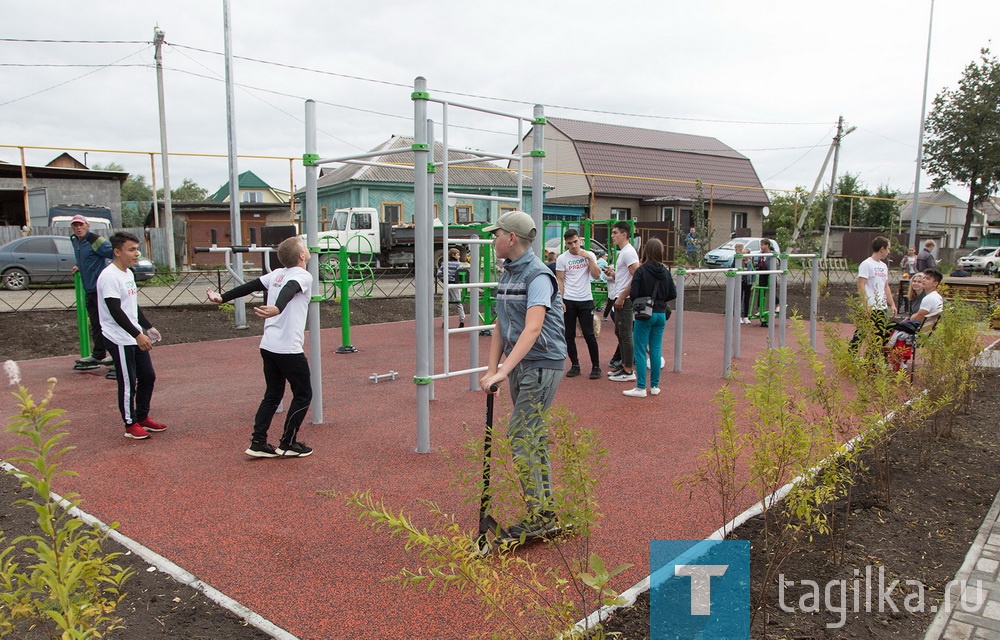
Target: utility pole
pixel 240 308
pixel 168 218
pixel 920 143
pixel 833 181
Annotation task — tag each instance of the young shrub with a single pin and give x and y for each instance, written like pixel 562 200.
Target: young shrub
pixel 523 598
pixel 71 588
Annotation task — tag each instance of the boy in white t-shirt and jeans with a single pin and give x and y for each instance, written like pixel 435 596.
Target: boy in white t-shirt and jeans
pixel 122 325
pixel 288 293
pixel 575 268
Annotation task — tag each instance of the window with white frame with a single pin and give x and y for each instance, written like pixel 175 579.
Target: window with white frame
pixel 621 213
pixel 666 214
pixel 252 196
pixel 739 220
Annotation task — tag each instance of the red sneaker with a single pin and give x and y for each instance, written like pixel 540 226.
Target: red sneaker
pixel 136 432
pixel 152 425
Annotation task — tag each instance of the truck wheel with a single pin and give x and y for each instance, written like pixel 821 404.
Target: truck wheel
pixel 438 259
pixel 16 279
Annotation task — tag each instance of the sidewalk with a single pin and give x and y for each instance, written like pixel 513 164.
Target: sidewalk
pixel 980 620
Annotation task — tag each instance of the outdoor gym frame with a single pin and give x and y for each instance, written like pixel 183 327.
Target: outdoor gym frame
pixel 425 168
pixel 423 187
pixel 731 335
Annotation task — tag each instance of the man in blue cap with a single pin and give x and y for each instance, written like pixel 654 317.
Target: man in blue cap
pixel 92 254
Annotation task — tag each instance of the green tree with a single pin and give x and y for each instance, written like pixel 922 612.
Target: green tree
pixel 189 191
pixel 783 215
pixel 883 210
pixel 963 131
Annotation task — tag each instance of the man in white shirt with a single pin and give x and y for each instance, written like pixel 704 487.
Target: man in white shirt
pixel 873 288
pixel 574 269
pixel 122 325
pixel 619 286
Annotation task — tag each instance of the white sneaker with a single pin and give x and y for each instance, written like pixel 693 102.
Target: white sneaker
pixel 654 391
pixel 624 377
pixel 635 393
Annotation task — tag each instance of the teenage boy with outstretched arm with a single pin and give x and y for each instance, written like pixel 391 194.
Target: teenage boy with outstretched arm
pixel 288 292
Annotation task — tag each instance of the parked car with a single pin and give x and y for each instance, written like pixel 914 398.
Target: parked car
pixel 722 257
pixel 985 259
pixel 47 259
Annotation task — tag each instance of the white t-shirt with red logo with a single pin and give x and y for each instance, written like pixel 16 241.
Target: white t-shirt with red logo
pixel 877 274
pixel 284 333
pixel 576 280
pixel 115 283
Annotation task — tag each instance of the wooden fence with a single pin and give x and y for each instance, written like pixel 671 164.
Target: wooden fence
pixel 153 240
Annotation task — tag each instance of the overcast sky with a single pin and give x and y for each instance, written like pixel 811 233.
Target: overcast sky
pixel 768 78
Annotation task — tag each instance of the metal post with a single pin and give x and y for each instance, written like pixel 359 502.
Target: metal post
pixel 783 288
pixel 727 337
pixel 474 316
pixel 813 301
pixel 240 307
pixel 168 218
pixel 433 264
pixel 770 302
pixel 679 322
pixel 345 302
pixel 538 178
pixel 736 325
pixel 82 319
pixel 423 248
pixel 312 239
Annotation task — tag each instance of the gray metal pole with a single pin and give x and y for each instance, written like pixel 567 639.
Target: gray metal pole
pixel 814 302
pixel 920 141
pixel 236 235
pixel 168 218
pixel 433 263
pixel 727 337
pixel 736 323
pixel 423 261
pixel 538 178
pixel 770 303
pixel 783 289
pixel 833 184
pixel 312 239
pixel 679 322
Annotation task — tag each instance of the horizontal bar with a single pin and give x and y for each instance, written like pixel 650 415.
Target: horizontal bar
pixel 478 327
pixel 452 374
pixel 469 241
pixel 366 154
pixel 476 196
pixel 477 285
pixel 448 103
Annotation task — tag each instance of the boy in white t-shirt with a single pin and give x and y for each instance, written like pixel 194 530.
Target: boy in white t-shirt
pixel 122 322
pixel 575 268
pixel 288 293
pixel 619 286
pixel 873 288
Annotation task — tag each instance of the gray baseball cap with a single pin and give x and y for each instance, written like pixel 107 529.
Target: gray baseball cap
pixel 517 222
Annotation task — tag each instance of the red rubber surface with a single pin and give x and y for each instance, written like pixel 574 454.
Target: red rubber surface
pixel 256 528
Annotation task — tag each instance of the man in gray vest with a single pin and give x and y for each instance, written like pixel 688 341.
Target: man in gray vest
pixel 529 332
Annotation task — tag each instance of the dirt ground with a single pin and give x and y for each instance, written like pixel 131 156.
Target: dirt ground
pixel 922 534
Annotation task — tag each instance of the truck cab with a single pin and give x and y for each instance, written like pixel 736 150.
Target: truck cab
pixel 357 228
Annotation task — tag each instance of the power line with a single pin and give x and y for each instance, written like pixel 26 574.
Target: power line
pixel 49 41
pixel 101 68
pixel 70 65
pixel 483 97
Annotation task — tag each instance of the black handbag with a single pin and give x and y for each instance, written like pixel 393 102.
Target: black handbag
pixel 642 307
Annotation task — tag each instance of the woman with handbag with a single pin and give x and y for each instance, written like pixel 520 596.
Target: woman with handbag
pixel 652 288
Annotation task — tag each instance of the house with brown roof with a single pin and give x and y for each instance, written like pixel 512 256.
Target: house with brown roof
pixel 649 176
pixel 390 190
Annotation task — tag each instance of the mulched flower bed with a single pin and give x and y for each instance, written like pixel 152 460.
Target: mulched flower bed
pixel 923 534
